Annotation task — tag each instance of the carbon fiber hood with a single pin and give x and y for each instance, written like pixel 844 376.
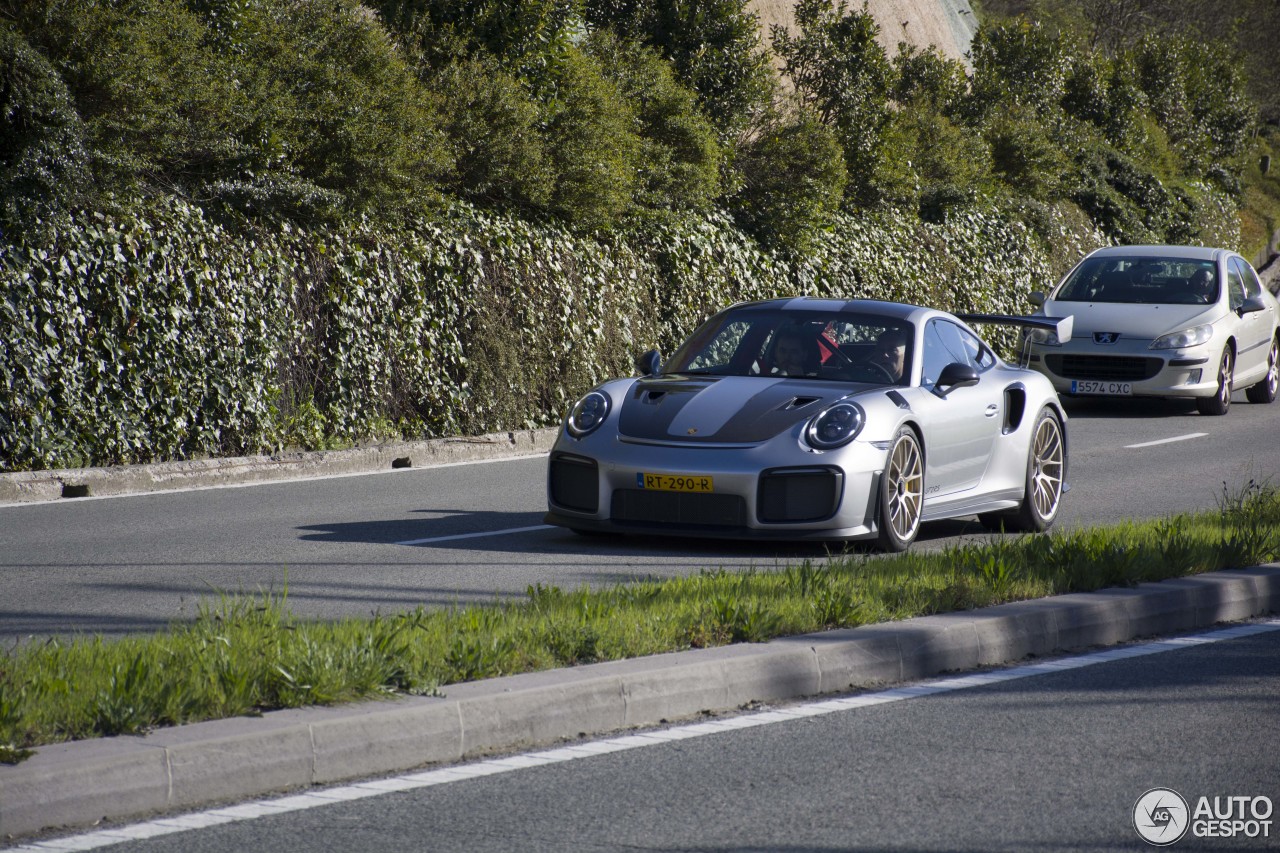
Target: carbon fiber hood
pixel 712 409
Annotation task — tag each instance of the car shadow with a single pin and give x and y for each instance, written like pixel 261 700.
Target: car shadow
pixel 524 532
pixel 444 523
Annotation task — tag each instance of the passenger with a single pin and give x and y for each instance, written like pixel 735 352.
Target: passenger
pixel 795 354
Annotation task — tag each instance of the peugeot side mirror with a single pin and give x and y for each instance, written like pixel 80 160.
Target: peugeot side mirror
pixel 955 375
pixel 1252 305
pixel 650 363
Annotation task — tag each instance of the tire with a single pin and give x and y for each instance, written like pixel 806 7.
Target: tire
pixel 1265 391
pixel 1045 476
pixel 901 492
pixel 1220 402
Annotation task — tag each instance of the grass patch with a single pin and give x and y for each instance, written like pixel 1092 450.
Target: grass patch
pixel 249 654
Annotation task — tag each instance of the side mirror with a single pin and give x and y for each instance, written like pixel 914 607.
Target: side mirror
pixel 1036 297
pixel 1252 305
pixel 650 363
pixel 955 375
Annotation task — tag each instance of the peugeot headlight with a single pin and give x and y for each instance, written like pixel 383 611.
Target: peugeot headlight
pixel 835 426
pixel 1043 337
pixel 587 414
pixel 1192 337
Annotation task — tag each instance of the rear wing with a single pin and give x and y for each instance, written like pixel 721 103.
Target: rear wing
pixel 1060 326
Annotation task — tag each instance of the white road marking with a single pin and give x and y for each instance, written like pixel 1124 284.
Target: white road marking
pixel 480 535
pixel 1186 437
pixel 513 763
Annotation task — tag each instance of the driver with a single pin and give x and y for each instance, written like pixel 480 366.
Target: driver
pixel 890 352
pixel 1202 286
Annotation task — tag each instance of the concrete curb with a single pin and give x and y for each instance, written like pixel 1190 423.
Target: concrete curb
pixel 33 486
pixel 78 784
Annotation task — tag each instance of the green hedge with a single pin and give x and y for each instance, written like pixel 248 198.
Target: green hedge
pixel 151 335
pixel 156 333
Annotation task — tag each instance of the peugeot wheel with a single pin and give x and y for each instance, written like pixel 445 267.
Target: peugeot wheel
pixel 1265 391
pixel 901 492
pixel 1221 399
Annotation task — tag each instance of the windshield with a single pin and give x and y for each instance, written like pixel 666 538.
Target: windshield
pixel 1142 279
pixel 803 344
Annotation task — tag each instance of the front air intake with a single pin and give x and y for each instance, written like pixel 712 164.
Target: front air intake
pixel 574 483
pixel 793 495
pixel 680 509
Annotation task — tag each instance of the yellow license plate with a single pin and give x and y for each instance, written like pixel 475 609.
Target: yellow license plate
pixel 675 482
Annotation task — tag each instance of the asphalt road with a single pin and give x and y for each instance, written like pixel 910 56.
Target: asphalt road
pixel 1041 763
pixel 131 564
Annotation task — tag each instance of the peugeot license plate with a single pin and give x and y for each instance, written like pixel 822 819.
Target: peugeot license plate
pixel 1093 386
pixel 675 482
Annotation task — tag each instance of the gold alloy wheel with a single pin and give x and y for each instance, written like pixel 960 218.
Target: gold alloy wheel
pixel 1047 454
pixel 906 487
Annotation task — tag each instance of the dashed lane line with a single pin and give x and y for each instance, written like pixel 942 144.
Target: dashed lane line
pixel 481 535
pixel 1186 437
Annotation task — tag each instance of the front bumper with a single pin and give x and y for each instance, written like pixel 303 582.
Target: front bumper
pixel 773 490
pixel 1190 372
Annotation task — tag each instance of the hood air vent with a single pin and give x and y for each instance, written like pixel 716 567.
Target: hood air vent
pixel 799 403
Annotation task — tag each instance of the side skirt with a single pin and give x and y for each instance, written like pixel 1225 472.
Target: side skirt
pixel 955 506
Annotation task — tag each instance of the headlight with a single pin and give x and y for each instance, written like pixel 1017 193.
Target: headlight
pixel 835 426
pixel 1186 338
pixel 1042 337
pixel 587 414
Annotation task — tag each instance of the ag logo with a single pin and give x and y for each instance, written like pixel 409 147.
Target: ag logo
pixel 1161 816
pixel 1105 337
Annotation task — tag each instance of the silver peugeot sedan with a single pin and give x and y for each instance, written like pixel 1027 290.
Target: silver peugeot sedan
pixel 1161 321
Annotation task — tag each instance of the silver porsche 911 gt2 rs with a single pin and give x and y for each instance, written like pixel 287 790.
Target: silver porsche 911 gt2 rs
pixel 816 419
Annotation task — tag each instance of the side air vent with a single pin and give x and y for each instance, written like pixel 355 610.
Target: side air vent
pixel 898 400
pixel 1015 406
pixel 654 396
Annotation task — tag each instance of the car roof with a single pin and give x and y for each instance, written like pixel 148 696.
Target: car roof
pixel 1195 253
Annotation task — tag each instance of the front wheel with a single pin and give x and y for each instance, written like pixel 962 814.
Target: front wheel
pixel 1220 402
pixel 1265 391
pixel 901 492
